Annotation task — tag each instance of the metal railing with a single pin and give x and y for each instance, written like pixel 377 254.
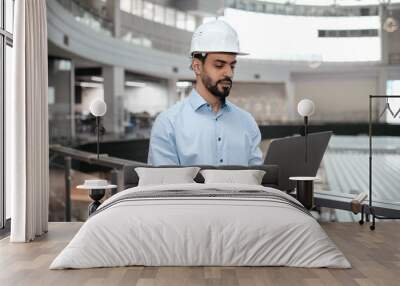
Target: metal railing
pixel 115 164
pixel 303 10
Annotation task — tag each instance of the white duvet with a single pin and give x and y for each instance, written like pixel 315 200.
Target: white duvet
pixel 200 231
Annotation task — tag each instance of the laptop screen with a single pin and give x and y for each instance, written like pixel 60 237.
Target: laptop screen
pixel 289 154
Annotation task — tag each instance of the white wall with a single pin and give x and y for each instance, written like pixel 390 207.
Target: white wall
pixel 267 102
pixel 153 98
pixel 338 97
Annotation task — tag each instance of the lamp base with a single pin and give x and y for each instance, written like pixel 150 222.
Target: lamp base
pixel 305 190
pixel 305 193
pixel 96 195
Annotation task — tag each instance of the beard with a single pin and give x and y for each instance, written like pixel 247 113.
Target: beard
pixel 212 87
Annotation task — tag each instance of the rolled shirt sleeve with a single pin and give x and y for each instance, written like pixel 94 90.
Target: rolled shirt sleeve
pixel 162 150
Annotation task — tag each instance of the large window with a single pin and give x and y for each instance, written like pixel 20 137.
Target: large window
pixel 125 5
pixel 180 20
pixel 170 17
pixel 160 14
pixel 284 37
pixel 6 43
pixel 148 11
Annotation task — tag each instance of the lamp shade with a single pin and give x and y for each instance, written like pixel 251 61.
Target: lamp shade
pixel 305 107
pixel 390 25
pixel 98 107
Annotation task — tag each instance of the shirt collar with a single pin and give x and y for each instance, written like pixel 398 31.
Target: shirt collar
pixel 197 101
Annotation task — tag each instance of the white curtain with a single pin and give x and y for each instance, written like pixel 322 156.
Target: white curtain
pixel 27 124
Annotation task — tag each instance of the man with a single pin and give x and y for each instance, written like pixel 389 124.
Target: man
pixel 205 128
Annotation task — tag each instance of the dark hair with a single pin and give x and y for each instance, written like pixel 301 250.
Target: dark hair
pixel 200 56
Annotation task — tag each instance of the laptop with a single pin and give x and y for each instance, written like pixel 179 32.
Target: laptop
pixel 289 154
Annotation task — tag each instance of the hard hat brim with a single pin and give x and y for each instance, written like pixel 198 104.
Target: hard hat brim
pixel 207 52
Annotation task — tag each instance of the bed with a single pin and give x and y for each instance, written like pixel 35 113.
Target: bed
pixel 198 224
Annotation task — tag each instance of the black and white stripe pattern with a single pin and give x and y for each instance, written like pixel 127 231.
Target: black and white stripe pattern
pixel 205 194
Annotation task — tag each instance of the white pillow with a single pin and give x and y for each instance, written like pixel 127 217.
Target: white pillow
pixel 163 176
pixel 248 177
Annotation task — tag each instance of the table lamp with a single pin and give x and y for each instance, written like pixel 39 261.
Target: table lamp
pixel 306 108
pixel 98 108
pixel 97 188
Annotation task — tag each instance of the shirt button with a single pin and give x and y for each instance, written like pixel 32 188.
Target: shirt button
pixel 219 138
pixel 221 160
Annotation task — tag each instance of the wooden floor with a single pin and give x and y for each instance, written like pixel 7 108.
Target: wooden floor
pixel 375 257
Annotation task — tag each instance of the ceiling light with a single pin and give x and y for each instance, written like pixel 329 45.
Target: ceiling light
pixel 97 78
pixel 314 64
pixel 183 84
pixel 89 84
pixel 315 61
pixel 135 84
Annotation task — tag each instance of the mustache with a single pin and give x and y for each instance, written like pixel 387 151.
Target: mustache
pixel 227 79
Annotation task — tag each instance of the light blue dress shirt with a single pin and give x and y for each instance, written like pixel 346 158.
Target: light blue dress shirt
pixel 190 133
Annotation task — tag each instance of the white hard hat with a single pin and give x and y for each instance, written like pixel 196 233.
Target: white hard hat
pixel 215 36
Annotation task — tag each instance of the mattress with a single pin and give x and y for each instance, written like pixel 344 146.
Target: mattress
pixel 201 225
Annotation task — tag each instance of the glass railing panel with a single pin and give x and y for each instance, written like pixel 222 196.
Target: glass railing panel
pixel 160 14
pixel 95 18
pixel 89 16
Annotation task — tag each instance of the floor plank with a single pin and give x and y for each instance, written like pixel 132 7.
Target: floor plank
pixel 374 255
